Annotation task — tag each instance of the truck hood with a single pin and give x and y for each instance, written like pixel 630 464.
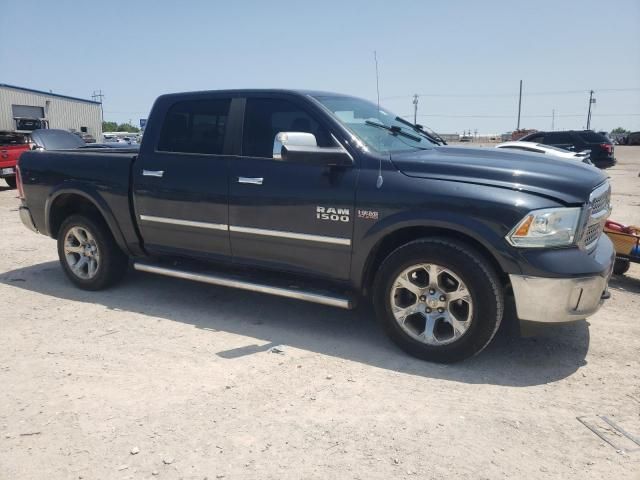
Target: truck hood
pixel 569 181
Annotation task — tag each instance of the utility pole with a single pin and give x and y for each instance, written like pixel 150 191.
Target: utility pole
pixel 591 100
pixel 97 97
pixel 553 119
pixel 375 59
pixel 519 105
pixel 415 109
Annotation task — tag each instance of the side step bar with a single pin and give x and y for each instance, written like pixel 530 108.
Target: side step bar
pixel 227 281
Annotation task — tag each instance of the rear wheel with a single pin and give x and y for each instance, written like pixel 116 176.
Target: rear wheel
pixel 11 181
pixel 89 254
pixel 438 299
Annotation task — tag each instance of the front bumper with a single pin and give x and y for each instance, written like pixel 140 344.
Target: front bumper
pixel 552 300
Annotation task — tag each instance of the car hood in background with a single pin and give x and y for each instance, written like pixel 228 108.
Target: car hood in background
pixel 570 182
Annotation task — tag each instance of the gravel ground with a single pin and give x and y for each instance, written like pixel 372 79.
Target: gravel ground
pixel 162 378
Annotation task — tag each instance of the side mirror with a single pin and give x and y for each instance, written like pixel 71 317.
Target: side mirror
pixel 301 147
pixel 301 139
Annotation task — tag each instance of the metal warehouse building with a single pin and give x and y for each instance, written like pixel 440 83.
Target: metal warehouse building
pixel 26 109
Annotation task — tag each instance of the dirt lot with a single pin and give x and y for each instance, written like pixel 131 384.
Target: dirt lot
pixel 161 378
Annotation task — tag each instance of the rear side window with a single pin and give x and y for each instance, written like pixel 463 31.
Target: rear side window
pixel 559 138
pixel 266 117
pixel 593 137
pixel 195 126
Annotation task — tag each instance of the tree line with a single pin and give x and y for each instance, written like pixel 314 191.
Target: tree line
pixel 119 127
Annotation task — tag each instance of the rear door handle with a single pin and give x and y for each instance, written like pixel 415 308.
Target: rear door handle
pixel 153 173
pixel 251 180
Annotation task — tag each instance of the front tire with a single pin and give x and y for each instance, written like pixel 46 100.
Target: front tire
pixel 438 299
pixel 88 253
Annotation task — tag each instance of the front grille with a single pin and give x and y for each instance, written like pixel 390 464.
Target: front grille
pixel 599 207
pixel 601 201
pixel 592 233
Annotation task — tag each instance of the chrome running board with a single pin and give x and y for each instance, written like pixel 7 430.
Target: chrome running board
pixel 227 281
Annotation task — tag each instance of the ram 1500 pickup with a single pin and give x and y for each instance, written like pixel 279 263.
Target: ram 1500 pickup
pixel 331 199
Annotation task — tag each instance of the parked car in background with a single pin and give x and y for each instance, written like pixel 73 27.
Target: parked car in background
pixel 53 139
pixel 86 137
pixel 584 156
pixel 633 138
pixel 578 141
pixel 12 145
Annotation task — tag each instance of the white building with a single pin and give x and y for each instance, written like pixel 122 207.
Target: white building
pixel 25 109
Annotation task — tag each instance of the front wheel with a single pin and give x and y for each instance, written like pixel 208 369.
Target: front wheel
pixel 89 254
pixel 438 299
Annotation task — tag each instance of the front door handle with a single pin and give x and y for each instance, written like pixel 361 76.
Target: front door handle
pixel 153 173
pixel 251 180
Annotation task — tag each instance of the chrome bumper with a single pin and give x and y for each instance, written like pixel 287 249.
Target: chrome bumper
pixel 558 299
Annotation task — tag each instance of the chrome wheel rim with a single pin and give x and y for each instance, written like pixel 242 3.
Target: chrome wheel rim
pixel 431 304
pixel 81 253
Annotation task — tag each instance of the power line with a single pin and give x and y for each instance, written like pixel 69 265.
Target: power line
pixel 446 115
pixel 515 94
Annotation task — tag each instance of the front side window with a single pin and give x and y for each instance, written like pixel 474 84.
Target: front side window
pixel 195 126
pixel 378 128
pixel 266 117
pixel 534 139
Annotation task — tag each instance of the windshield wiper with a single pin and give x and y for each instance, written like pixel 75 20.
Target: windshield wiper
pixel 393 130
pixel 433 136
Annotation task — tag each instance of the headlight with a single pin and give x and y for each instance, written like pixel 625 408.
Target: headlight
pixel 550 227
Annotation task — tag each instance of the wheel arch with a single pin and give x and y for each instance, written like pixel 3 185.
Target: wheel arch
pixel 406 234
pixel 78 199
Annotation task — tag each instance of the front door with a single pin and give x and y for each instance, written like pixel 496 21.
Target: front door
pixel 181 184
pixel 290 216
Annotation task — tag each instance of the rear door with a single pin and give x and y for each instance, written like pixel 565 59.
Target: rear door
pixel 181 182
pixel 284 215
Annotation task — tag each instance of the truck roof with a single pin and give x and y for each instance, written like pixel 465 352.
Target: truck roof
pixel 244 91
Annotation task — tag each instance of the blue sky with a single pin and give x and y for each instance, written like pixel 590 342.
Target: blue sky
pixel 465 58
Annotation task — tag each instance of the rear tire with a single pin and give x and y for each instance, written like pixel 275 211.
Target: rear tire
pixel 89 254
pixel 453 294
pixel 11 181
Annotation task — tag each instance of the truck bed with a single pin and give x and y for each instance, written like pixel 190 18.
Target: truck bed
pixel 103 175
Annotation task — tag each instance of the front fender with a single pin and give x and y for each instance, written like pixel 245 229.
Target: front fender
pixel 482 231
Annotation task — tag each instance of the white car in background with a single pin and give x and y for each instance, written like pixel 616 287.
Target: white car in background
pixel 584 156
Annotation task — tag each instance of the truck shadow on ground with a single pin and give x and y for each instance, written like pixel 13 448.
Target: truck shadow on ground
pixel 625 283
pixel 554 353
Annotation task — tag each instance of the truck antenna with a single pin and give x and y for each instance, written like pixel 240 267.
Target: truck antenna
pixel 380 179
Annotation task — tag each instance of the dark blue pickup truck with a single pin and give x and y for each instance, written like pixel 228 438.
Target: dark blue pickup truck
pixel 331 199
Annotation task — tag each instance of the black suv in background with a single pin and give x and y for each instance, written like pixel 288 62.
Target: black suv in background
pixel 578 141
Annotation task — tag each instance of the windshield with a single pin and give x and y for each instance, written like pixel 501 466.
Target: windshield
pixel 376 127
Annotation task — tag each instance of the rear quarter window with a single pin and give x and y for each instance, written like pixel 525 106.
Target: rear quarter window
pixel 593 137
